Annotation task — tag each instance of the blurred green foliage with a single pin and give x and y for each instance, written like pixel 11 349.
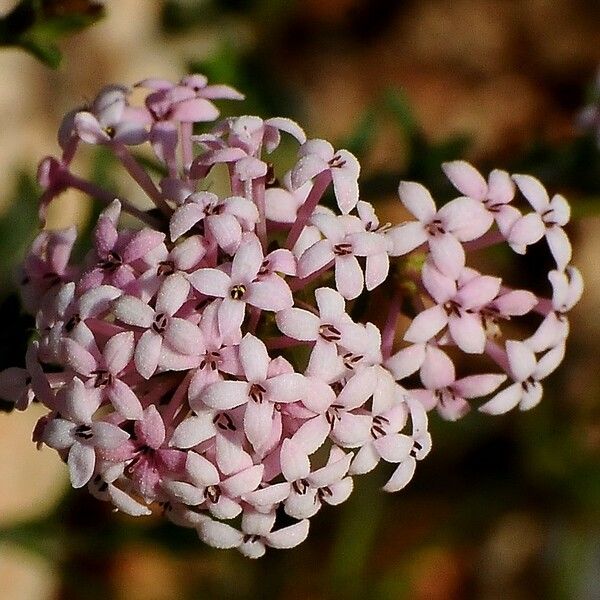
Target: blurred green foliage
pixel 37 26
pixel 480 472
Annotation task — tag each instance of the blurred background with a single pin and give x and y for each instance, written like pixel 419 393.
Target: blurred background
pixel 503 508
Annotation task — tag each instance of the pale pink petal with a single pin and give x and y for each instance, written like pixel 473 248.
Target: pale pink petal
pixel 437 370
pixel 258 422
pixel 349 279
pixel 426 324
pixel 184 218
pixel 401 476
pixel 336 468
pixel 184 492
pixel 124 400
pixel 406 237
pixel 531 396
pixel 247 260
pixel 254 358
pixel 312 434
pixel 526 231
pixel 231 458
pixel 440 286
pixel 561 210
pixel 224 395
pixel 231 317
pixel 503 401
pixel 560 246
pixel 133 311
pixel 81 461
pixel 534 191
pixel 516 302
pixel 394 447
pixel 172 294
pixel 193 430
pixel 211 282
pixel 359 389
pixel 89 130
pixel 219 535
pixel 151 428
pixel 315 257
pixel 479 291
pixel 521 360
pixel 294 462
pixel 183 336
pixel 448 254
pixel 340 491
pixel 406 361
pixel 287 125
pixel 290 536
pixel 468 332
pixel 298 324
pixel 118 352
pixel 365 460
pixel 271 293
pixel 201 471
pixel 417 200
pixel 286 388
pixel 147 353
pixel 501 187
pixel 475 386
pixel 466 179
pixel 226 230
pixel 377 270
pixel 194 110
pixel 549 362
pixel 306 168
pixel 243 482
pixel 141 244
pixel 466 218
pixel 331 304
pixel 352 430
pixel 78 358
pixel 345 180
pixel 266 498
pixel 249 168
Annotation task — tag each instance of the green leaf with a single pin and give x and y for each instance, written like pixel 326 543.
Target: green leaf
pixel 18 226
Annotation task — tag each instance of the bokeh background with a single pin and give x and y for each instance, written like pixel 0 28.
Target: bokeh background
pixel 504 508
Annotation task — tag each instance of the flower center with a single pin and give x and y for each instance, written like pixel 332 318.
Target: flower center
pixel 378 429
pixel 342 249
pixel 336 162
pixel 160 322
pixel 435 228
pixel 257 393
pixel 237 292
pixel 330 333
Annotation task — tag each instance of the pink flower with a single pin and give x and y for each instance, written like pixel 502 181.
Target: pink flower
pixel 549 219
pixel 526 372
pixel 79 434
pixel 460 220
pixel 242 287
pixel 257 534
pixel 260 393
pixel 457 305
pixel 318 156
pixel 160 324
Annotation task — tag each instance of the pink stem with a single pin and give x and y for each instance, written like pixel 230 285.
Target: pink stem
pixel 254 318
pixel 389 329
pixel 178 398
pixel 320 183
pixel 187 152
pixel 498 355
pixel 297 284
pixel 491 238
pixel 258 196
pixel 278 343
pixel 106 197
pixel 141 177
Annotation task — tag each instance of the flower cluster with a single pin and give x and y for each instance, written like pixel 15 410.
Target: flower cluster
pixel 214 361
